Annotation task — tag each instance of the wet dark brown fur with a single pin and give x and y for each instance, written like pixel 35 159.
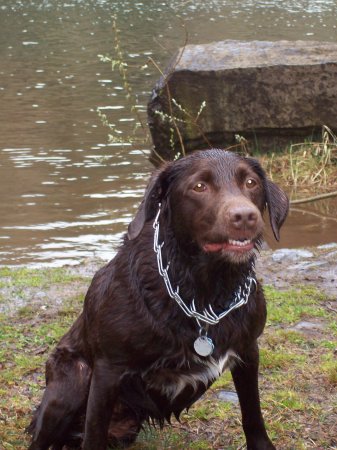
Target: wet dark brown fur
pixel 129 357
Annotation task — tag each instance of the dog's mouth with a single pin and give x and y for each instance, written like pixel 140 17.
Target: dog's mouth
pixel 230 245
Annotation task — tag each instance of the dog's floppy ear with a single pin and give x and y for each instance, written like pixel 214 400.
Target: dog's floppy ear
pixel 278 206
pixel 149 206
pixel 277 200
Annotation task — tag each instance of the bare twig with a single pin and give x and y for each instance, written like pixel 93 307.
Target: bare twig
pixel 166 77
pixel 315 214
pixel 314 199
pixel 168 92
pixel 170 115
pixel 123 72
pixel 331 308
pixel 194 121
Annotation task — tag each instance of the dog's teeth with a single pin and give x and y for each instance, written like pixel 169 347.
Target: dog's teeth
pixel 239 243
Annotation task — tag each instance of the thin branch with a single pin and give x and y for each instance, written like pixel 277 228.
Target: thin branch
pixel 123 71
pixel 328 305
pixel 183 25
pixel 169 97
pixel 158 155
pixel 313 199
pixel 194 121
pixel 234 146
pixel 312 213
pixel 165 77
pixel 175 65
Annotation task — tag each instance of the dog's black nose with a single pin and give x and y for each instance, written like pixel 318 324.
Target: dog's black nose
pixel 243 217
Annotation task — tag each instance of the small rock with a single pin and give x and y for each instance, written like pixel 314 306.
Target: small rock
pixel 308 265
pixel 228 396
pixel 309 328
pixel 327 246
pixel 287 254
pixel 331 255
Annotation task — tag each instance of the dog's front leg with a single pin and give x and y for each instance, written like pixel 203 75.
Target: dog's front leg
pixel 102 396
pixel 245 377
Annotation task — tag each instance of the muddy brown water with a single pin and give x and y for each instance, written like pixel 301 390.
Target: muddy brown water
pixel 66 194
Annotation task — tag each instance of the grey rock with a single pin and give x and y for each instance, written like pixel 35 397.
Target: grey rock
pixel 307 326
pixel 332 255
pixel 305 265
pixel 228 396
pixel 264 91
pixel 327 246
pixel 288 254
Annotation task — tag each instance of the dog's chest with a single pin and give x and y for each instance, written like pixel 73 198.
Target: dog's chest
pixel 197 373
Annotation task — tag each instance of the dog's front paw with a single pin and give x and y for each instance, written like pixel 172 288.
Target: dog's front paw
pixel 261 445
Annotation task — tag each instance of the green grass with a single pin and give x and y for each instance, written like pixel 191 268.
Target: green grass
pixel 297 382
pixel 25 278
pixel 329 368
pixel 288 307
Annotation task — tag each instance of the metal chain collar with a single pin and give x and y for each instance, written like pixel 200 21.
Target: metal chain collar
pixel 208 315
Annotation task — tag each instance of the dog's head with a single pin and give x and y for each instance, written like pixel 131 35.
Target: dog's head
pixel 214 200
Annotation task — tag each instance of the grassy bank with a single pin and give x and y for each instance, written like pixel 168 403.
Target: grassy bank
pixel 298 367
pixel 305 168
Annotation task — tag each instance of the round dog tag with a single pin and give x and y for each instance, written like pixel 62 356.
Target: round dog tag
pixel 204 346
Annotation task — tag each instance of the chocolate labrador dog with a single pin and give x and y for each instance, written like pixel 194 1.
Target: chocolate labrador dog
pixel 177 305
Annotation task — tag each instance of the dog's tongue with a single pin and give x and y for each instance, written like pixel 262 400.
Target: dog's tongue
pixel 218 246
pixel 214 247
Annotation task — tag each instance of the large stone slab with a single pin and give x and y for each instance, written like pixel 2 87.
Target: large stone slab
pixel 266 92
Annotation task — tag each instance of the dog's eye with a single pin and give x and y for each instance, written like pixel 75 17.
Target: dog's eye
pixel 200 187
pixel 250 183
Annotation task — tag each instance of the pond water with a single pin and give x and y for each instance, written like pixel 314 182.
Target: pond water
pixel 66 193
